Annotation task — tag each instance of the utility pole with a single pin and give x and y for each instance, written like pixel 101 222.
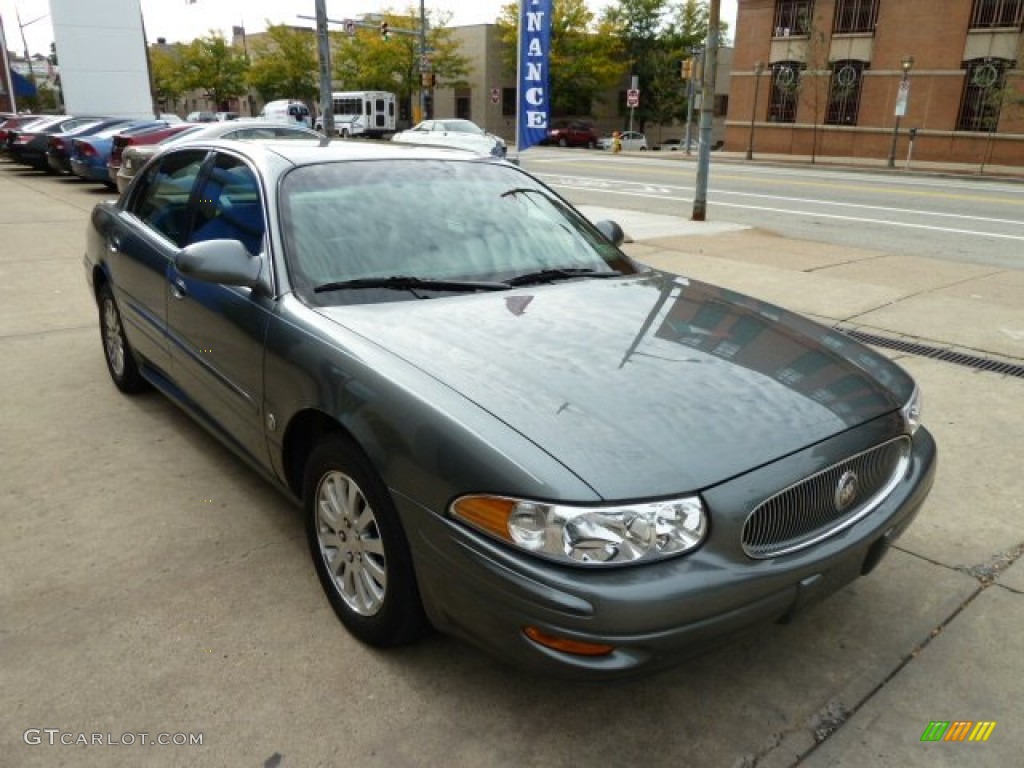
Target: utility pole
pixel 423 58
pixel 324 43
pixel 28 56
pixel 707 114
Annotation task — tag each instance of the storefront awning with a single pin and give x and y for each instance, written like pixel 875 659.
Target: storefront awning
pixel 23 87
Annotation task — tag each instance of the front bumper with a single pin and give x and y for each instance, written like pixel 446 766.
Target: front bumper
pixel 657 614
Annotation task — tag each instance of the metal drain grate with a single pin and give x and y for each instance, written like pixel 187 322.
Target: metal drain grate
pixel 936 353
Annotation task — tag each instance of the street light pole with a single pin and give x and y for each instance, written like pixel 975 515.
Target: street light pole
pixel 758 69
pixel 907 62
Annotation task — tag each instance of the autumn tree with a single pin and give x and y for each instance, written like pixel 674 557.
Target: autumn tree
pixel 815 87
pixel 364 61
pixel 214 67
pixel 586 56
pixel 284 64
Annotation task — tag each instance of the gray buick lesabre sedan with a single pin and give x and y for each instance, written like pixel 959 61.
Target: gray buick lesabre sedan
pixel 495 421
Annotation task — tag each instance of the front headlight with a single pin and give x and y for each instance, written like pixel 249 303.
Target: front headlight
pixel 589 535
pixel 911 412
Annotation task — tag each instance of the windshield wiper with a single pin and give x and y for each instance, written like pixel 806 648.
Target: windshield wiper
pixel 560 273
pixel 410 283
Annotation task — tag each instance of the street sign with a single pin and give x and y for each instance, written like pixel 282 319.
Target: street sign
pixel 425 63
pixel 495 95
pixel 901 98
pixel 632 98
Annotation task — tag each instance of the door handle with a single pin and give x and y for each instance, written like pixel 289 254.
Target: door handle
pixel 114 244
pixel 177 288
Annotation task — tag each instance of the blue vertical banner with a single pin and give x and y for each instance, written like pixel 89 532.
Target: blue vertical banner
pixel 534 75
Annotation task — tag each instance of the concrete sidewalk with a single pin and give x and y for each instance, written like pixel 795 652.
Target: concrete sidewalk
pixel 971 665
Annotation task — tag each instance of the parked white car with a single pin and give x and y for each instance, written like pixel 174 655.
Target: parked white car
pixel 462 134
pixel 631 141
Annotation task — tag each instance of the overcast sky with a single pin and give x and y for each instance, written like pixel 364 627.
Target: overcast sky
pixel 179 21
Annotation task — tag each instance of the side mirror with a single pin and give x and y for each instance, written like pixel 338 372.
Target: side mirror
pixel 612 231
pixel 221 261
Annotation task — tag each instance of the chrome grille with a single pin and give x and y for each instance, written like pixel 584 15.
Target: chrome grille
pixel 812 510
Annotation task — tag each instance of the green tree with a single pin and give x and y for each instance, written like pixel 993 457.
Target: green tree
pixel 365 61
pixel 656 36
pixel 284 64
pixel 214 67
pixel 586 56
pixel 166 69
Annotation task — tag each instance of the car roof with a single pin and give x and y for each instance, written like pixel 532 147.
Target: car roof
pixel 299 152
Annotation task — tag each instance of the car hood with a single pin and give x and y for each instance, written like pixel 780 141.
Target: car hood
pixel 642 386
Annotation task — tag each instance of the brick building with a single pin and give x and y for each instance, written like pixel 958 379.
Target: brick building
pixel 830 76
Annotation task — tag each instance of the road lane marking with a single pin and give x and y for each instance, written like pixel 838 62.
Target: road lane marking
pixel 871 186
pixel 837 217
pixel 608 185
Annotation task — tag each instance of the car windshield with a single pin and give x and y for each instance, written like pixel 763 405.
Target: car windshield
pixel 461 126
pixel 432 220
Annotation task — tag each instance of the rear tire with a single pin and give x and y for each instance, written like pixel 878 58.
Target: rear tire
pixel 358 547
pixel 124 371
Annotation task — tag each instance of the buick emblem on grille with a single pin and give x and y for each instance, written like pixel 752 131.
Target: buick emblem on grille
pixel 846 490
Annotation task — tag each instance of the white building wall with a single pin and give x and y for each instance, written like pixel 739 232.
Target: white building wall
pixel 101 48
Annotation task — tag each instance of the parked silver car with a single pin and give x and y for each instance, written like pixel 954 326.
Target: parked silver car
pixel 494 420
pixel 136 156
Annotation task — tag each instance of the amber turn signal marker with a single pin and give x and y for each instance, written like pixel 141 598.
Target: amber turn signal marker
pixel 487 514
pixel 567 645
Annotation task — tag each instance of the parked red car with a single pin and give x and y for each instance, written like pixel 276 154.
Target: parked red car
pixel 121 141
pixel 573 134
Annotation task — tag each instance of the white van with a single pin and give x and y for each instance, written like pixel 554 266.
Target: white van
pixel 287 110
pixel 362 113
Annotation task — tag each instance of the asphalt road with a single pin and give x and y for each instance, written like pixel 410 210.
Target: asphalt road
pixel 969 220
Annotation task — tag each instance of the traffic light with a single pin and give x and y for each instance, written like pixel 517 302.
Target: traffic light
pixel 384 34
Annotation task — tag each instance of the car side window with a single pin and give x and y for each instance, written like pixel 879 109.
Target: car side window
pixel 229 205
pixel 162 200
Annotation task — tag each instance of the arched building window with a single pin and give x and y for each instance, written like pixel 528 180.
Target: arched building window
pixel 784 90
pixel 844 92
pixel 983 94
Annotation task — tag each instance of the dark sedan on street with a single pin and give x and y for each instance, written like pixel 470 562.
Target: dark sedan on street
pixel 495 421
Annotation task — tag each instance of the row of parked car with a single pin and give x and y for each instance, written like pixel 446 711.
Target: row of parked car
pixel 110 150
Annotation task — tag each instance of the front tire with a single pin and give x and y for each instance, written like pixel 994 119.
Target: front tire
pixel 358 547
pixel 563 143
pixel 124 370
